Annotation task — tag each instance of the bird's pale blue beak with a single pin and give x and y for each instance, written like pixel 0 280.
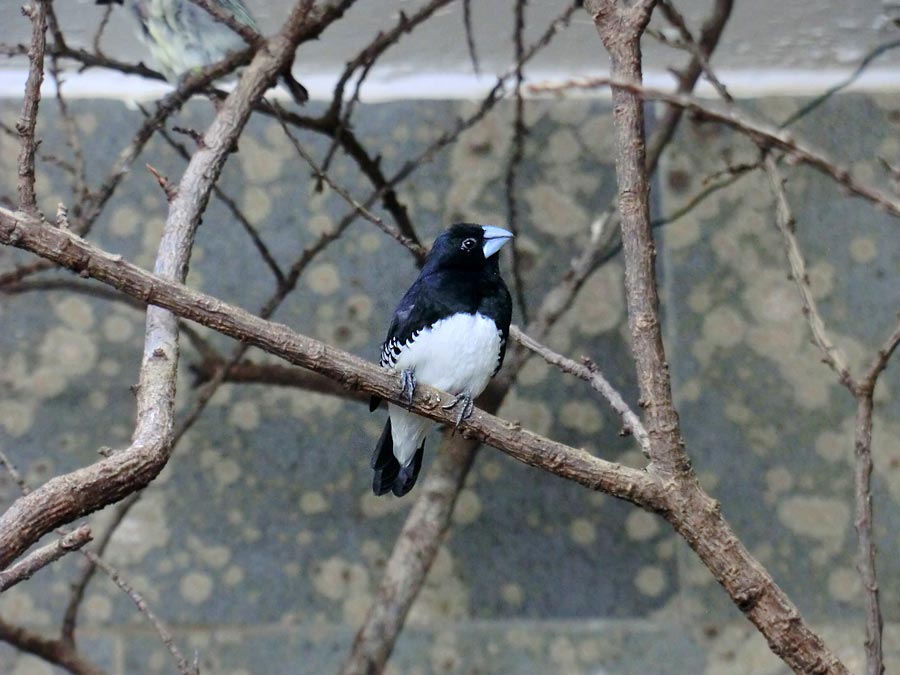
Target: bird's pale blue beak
pixel 494 238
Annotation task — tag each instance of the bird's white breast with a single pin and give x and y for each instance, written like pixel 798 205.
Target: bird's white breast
pixel 457 354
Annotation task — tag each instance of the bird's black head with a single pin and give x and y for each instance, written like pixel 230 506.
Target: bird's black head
pixel 467 246
pixel 110 2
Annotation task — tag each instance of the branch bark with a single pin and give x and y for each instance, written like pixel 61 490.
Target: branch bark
pixel 831 354
pixel 37 12
pixel 56 501
pixel 52 651
pixel 620 30
pixel 764 135
pixel 420 534
pixel 65 498
pixel 43 556
pixel 693 514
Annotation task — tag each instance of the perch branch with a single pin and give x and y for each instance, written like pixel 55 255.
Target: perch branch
pixel 54 503
pixel 426 525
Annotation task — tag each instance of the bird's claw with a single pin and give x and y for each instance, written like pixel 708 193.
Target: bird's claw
pixel 465 411
pixel 407 387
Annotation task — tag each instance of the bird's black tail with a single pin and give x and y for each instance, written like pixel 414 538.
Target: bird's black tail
pixel 389 475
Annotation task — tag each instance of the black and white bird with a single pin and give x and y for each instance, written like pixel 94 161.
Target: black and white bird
pixel 449 331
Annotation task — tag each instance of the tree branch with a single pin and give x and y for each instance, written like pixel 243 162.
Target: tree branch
pixel 864 524
pixel 248 372
pixel 764 135
pixel 831 354
pixel 115 576
pixel 589 373
pixel 43 556
pixel 56 652
pixel 694 515
pixel 37 12
pixel 426 525
pixel 56 502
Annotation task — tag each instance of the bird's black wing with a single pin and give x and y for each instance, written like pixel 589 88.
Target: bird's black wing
pixel 497 304
pixel 421 306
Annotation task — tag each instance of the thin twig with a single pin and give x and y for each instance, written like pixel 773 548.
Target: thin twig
pixel 184 667
pixel 37 12
pixel 515 159
pixel 764 135
pixel 40 558
pixel 590 373
pixel 76 595
pixel 864 525
pixel 17 477
pixel 101 27
pixel 73 140
pixel 881 359
pixel 417 249
pixel 470 36
pixel 232 206
pixel 365 60
pixel 693 46
pixel 863 392
pixel 831 355
pixel 218 12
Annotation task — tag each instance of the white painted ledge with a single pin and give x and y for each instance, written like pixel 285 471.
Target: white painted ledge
pixel 392 86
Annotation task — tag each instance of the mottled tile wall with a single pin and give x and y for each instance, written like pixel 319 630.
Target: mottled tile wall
pixel 261 542
pixel 770 426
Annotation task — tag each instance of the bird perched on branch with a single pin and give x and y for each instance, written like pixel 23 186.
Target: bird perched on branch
pixel 450 332
pixel 183 36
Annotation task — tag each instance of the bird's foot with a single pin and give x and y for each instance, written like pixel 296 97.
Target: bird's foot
pixel 407 387
pixel 465 409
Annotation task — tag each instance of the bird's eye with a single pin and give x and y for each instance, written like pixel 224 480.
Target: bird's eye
pixel 468 244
